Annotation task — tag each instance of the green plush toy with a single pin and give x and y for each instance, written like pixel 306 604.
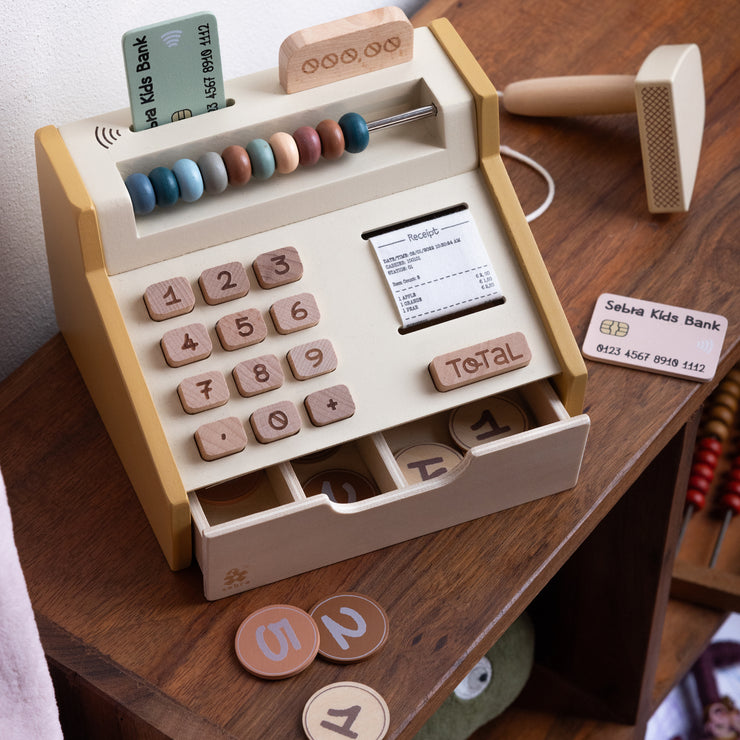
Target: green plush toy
pixel 488 689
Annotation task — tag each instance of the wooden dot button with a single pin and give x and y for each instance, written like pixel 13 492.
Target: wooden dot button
pixel 277 421
pixel 258 375
pixel 486 420
pixel 330 405
pixel 341 486
pixel 279 267
pixel 277 641
pixel 186 344
pixel 203 392
pixel 312 359
pixel 241 329
pixel 224 283
pixel 169 298
pixel 352 627
pixel 295 313
pixel 426 461
pixel 220 438
pixel 346 710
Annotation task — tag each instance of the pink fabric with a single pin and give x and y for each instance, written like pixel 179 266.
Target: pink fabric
pixel 28 707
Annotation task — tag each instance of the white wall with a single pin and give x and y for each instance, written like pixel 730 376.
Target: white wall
pixel 62 61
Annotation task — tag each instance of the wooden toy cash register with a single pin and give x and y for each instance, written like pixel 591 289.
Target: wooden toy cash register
pixel 311 365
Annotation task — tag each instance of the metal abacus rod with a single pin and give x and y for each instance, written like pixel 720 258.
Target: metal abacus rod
pixel 212 173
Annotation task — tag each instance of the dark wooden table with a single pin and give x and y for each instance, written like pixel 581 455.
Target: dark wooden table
pixel 135 649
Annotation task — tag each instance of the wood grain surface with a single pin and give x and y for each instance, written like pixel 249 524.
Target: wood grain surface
pixel 135 649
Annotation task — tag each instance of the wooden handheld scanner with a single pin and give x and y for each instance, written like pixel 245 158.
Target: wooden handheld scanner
pixel 309 345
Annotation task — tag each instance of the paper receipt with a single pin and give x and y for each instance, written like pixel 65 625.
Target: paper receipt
pixel 655 337
pixel 436 267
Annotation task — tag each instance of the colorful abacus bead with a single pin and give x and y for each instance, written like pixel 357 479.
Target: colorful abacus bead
pixel 189 180
pixel 213 170
pixel 356 133
pixel 262 158
pixel 309 145
pixel 285 150
pixel 332 139
pixel 141 192
pixel 238 164
pixel 166 189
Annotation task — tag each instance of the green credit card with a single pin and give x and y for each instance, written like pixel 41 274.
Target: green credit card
pixel 173 70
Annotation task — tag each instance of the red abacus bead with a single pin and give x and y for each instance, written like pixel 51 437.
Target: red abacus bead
pixel 699 483
pixel 731 501
pixel 710 443
pixel 309 145
pixel 702 470
pixel 707 457
pixel 695 498
pixel 733 487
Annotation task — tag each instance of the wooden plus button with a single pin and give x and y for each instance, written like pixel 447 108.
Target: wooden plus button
pixel 170 298
pixel 203 392
pixel 186 344
pixel 221 438
pixel 426 461
pixel 346 709
pixel 258 375
pixel 241 329
pixel 224 283
pixel 352 627
pixel 329 405
pixel 295 313
pixel 486 420
pixel 312 359
pixel 277 421
pixel 480 361
pixel 279 267
pixel 277 641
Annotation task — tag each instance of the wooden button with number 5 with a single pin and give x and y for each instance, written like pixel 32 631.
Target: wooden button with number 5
pixel 277 641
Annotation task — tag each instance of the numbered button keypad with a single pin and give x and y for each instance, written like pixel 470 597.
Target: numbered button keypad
pixel 186 344
pixel 277 421
pixel 279 267
pixel 242 329
pixel 258 375
pixel 169 298
pixel 295 313
pixel 203 392
pixel 312 359
pixel 224 283
pixel 253 373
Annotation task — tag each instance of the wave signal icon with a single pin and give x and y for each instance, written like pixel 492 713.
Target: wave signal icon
pixel 106 137
pixel 705 345
pixel 171 38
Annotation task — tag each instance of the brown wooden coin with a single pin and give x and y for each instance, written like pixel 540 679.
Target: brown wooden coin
pixel 352 627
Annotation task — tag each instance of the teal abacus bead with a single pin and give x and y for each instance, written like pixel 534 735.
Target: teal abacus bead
pixel 262 158
pixel 165 186
pixel 189 179
pixel 141 192
pixel 356 134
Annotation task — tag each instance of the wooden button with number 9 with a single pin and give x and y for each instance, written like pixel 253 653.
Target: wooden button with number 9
pixel 277 641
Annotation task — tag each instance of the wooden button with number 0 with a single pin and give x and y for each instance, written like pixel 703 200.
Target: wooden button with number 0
pixel 346 709
pixel 277 641
pixel 352 627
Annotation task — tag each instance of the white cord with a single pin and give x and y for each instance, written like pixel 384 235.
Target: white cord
pixel 537 167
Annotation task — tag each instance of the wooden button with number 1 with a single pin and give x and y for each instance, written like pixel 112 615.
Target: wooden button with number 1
pixel 346 709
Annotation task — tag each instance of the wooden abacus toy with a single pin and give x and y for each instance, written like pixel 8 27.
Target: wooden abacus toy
pixel 262 352
pixel 714 477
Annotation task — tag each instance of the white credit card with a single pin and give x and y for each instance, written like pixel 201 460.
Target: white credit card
pixel 655 337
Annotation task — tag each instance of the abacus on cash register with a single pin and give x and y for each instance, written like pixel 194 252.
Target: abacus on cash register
pixel 302 357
